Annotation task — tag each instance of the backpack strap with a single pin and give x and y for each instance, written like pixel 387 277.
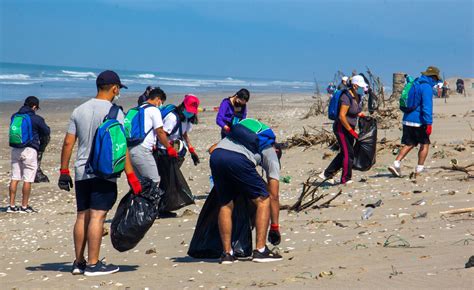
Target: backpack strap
pixel 113 112
pixel 178 126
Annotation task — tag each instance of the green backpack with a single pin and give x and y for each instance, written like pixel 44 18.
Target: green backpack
pixel 21 131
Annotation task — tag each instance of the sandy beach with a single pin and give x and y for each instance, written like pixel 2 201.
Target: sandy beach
pixel 327 248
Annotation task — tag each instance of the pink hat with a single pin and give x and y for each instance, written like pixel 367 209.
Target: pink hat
pixel 191 103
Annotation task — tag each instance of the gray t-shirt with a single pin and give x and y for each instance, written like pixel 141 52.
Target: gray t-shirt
pixel 268 160
pixel 84 122
pixel 354 108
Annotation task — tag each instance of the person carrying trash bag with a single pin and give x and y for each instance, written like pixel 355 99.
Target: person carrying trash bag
pixel 344 108
pixel 177 124
pixel 135 215
pixel 40 176
pixel 233 165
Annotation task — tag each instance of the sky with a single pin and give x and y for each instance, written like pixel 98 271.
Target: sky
pixel 291 40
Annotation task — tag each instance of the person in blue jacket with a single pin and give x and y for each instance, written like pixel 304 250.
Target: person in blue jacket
pixel 417 124
pixel 24 160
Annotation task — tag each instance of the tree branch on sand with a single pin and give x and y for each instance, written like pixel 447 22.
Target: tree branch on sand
pixel 307 139
pixel 466 169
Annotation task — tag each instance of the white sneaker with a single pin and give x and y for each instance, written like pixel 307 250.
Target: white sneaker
pixel 325 179
pixel 396 171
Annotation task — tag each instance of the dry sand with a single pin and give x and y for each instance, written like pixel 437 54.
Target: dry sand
pixel 36 250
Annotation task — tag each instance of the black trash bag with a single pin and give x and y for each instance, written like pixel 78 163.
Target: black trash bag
pixel 177 192
pixel 206 241
pixel 40 176
pixel 373 101
pixel 365 148
pixel 135 215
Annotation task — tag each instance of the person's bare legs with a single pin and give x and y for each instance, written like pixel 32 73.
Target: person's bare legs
pixel 13 187
pixel 225 225
pixel 423 153
pixel 26 194
pixel 80 234
pixel 94 234
pixel 404 151
pixel 261 220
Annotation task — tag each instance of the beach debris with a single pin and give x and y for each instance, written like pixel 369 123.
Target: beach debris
pixel 188 212
pixel 420 215
pixel 285 179
pixel 394 241
pixel 464 241
pixel 420 202
pixel 150 251
pixel 394 272
pixel 324 274
pixel 105 231
pixel 458 211
pixel 460 148
pixel 470 262
pixel 308 139
pixel 319 107
pixel 468 169
pixel 369 211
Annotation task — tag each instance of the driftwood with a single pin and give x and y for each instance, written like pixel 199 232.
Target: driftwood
pixel 466 169
pixel 310 189
pixel 319 107
pixel 458 211
pixel 308 139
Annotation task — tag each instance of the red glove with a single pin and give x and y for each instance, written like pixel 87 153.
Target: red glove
pixel 134 183
pixel 429 128
pixel 362 115
pixel 194 156
pixel 226 129
pixel 172 152
pixel 191 150
pixel 354 133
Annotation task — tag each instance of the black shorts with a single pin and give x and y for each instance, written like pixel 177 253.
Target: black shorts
pixel 415 135
pixel 95 193
pixel 234 174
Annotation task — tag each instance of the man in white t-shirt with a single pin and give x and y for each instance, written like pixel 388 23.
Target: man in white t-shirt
pixel 142 154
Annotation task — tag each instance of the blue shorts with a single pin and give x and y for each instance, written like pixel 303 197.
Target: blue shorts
pixel 234 174
pixel 95 193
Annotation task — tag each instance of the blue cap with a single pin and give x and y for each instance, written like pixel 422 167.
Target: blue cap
pixel 109 77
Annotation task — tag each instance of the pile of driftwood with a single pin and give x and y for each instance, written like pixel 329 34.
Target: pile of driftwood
pixel 310 190
pixel 308 139
pixel 388 117
pixel 385 144
pixel 468 169
pixel 319 107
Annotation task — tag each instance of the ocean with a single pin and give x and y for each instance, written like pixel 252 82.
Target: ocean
pixel 18 81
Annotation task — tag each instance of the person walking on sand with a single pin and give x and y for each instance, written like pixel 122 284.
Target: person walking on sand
pixel 141 152
pixel 233 165
pixel 350 109
pixel 177 124
pixel 417 124
pixel 232 110
pixel 28 133
pixel 95 196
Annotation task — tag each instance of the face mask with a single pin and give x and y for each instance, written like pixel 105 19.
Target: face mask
pixel 360 91
pixel 187 114
pixel 115 99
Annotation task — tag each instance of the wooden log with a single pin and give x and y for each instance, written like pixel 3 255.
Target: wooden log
pixel 398 85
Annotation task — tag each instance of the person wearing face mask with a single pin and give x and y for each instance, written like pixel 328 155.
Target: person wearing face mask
pixel 142 154
pixel 232 110
pixel 350 109
pixel 177 124
pixel 95 196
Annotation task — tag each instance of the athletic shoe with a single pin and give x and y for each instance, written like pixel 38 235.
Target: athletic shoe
pixel 227 259
pixel 78 268
pixel 397 172
pixel 27 209
pixel 13 209
pixel 100 269
pixel 266 256
pixel 329 180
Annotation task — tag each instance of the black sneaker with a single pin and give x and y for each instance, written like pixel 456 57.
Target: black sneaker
pixel 227 259
pixel 27 209
pixel 266 256
pixel 78 268
pixel 100 269
pixel 13 209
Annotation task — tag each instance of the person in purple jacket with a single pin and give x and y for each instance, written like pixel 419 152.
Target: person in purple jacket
pixel 232 110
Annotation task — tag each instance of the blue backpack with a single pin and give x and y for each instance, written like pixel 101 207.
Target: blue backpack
pixel 171 109
pixel 411 95
pixel 134 125
pixel 335 105
pixel 109 147
pixel 21 131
